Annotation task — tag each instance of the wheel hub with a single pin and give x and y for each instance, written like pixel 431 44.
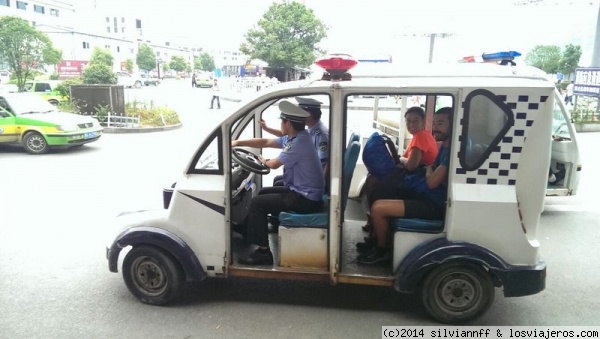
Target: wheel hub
pixel 458 293
pixel 149 276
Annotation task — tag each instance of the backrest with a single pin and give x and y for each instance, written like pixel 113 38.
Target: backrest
pixel 350 159
pixel 353 137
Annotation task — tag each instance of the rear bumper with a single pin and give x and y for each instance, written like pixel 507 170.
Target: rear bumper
pixel 519 281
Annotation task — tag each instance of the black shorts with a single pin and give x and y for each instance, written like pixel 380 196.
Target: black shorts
pixel 423 209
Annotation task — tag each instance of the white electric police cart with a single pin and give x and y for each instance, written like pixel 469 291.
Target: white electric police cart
pixel 505 137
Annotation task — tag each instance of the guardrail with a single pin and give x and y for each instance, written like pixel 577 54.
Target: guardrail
pixel 111 120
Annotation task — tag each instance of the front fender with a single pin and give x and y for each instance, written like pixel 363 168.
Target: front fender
pixel 517 280
pixel 147 235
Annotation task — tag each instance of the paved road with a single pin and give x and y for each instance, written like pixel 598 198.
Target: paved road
pixel 54 281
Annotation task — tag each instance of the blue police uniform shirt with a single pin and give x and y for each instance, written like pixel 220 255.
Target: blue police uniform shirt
pixel 418 182
pixel 320 136
pixel 303 172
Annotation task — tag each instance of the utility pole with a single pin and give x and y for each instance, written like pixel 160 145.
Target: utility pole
pixel 596 54
pixel 432 37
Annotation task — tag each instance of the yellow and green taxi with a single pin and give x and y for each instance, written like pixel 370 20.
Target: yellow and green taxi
pixel 46 89
pixel 32 122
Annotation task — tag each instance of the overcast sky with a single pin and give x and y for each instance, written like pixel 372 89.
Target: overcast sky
pixel 386 27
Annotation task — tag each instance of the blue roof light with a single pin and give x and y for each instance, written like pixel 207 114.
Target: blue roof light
pixel 508 55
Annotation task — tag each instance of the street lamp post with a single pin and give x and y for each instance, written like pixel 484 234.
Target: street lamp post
pixel 158 62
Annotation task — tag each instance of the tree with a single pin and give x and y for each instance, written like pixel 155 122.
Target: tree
pixel 207 63
pixel 24 49
pixel 166 67
pixel 286 36
pixel 145 58
pixel 129 65
pixel 52 56
pixel 102 56
pixel 197 62
pixel 99 69
pixel 545 57
pixel 178 63
pixel 570 59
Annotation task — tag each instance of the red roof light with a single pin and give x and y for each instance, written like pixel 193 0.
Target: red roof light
pixel 337 63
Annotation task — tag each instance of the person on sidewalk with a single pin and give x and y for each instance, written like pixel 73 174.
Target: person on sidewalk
pixel 215 95
pixel 194 80
pixel 303 181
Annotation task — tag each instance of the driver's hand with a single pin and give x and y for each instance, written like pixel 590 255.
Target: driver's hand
pixel 263 124
pixel 262 159
pixel 234 143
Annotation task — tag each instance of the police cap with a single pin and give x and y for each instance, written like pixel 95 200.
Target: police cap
pixel 305 103
pixel 292 112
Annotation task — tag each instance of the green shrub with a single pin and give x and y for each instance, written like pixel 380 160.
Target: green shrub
pixel 54 76
pixel 99 74
pixel 68 106
pixel 64 88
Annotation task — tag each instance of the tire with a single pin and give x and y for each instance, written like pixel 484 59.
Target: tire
pixel 34 143
pixel 152 275
pixel 457 292
pixel 138 84
pixel 53 102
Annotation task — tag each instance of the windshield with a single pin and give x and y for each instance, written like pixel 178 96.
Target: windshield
pixel 21 104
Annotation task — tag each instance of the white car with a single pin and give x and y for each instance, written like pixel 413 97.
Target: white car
pixel 4 77
pixel 128 80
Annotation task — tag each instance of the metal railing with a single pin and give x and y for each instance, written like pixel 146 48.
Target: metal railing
pixel 111 120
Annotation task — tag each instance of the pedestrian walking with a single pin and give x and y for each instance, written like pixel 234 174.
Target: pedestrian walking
pixel 569 96
pixel 194 80
pixel 215 91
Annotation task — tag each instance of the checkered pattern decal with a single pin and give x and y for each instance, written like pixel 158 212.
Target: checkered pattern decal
pixel 501 165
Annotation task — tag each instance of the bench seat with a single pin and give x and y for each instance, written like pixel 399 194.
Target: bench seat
pixel 312 220
pixel 417 225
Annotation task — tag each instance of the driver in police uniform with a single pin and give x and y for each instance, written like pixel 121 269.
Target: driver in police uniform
pixel 303 180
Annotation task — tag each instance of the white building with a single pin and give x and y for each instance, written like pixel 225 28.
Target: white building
pixel 76 27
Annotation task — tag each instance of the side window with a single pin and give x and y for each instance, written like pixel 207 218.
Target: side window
pixel 4 108
pixel 486 120
pixel 39 87
pixel 209 159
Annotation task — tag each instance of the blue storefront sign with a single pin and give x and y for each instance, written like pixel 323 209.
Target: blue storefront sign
pixel 587 81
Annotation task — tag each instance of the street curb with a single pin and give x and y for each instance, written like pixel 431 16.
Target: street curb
pixel 116 130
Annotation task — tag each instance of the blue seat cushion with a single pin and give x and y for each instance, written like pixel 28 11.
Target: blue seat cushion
pixel 312 220
pixel 417 225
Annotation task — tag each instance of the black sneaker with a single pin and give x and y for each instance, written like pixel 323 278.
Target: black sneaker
pixel 367 245
pixel 258 257
pixel 379 255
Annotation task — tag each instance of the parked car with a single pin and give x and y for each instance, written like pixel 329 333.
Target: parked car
pixel 204 80
pixel 128 80
pixel 46 89
pixel 36 125
pixel 151 80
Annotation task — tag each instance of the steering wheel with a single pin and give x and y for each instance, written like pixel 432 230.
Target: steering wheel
pixel 249 161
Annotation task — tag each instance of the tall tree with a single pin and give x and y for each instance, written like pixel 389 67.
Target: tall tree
pixel 570 59
pixel 545 57
pixel 145 58
pixel 178 63
pixel 99 70
pixel 23 48
pixel 207 62
pixel 129 65
pixel 286 36
pixel 197 62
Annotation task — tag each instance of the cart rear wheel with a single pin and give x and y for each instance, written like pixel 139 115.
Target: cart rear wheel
pixel 457 292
